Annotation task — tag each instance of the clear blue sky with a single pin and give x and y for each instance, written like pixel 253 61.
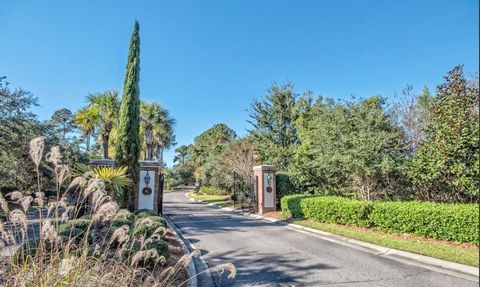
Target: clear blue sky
pixel 207 60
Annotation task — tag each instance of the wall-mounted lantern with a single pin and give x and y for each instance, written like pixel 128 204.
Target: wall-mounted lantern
pixel 147 190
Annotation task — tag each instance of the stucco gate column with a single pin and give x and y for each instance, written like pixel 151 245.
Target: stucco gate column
pixel 265 188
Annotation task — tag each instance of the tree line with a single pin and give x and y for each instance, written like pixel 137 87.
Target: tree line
pixel 420 147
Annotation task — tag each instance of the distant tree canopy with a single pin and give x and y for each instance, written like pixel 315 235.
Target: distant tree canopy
pixel 274 132
pixel 18 125
pixel 350 148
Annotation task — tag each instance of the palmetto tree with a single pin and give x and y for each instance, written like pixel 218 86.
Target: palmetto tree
pixel 87 119
pixel 157 127
pixel 107 104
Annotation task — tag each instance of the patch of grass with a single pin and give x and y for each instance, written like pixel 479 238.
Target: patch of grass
pixel 222 200
pixel 462 253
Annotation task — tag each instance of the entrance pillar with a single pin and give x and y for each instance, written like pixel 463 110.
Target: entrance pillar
pixel 148 195
pixel 265 188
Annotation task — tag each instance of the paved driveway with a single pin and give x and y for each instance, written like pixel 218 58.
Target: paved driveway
pixel 268 254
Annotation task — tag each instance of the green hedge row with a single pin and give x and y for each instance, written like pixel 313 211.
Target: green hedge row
pixel 454 222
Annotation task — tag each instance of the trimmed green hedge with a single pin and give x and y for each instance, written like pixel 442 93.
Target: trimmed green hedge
pixel 455 222
pixel 338 210
pixel 212 191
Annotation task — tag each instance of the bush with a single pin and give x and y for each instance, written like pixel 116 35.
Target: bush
pixel 290 205
pixel 284 186
pixel 456 222
pixel 331 209
pixel 73 226
pixel 212 191
pixel 147 226
pixel 141 213
pixel 160 245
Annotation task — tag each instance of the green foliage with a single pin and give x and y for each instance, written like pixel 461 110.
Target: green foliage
pixel 330 209
pixel 212 191
pixel 114 178
pixel 75 227
pixel 147 225
pixel 446 166
pixel 160 245
pixel 144 213
pixel 291 207
pixel 284 186
pixel 127 149
pixel 18 125
pixel 211 143
pixel 213 173
pixel 157 129
pixel 274 132
pixel 63 121
pixel 455 222
pixel 348 147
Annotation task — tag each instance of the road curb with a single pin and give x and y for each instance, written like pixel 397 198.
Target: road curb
pixel 193 269
pixel 442 266
pixel 191 265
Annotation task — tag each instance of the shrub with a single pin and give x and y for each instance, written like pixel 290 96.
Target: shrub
pixel 456 222
pixel 212 191
pixel 329 209
pixel 284 186
pixel 160 245
pixel 72 226
pixel 125 214
pixel 141 213
pixel 290 205
pixel 147 225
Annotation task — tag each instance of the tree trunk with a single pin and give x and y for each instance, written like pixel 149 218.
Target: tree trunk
pixel 149 152
pixel 160 154
pixel 88 142
pixel 105 145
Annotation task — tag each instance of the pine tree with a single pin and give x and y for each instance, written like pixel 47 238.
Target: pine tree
pixel 128 140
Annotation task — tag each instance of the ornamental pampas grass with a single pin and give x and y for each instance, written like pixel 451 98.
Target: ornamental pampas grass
pixel 36 150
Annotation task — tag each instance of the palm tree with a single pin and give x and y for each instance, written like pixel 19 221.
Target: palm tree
pixel 87 119
pixel 157 127
pixel 108 105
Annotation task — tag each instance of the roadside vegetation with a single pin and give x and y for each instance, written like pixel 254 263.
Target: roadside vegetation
pixel 406 166
pixel 65 223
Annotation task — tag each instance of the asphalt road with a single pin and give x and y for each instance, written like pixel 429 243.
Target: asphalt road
pixel 267 254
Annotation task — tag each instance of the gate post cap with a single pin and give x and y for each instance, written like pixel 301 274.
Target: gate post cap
pixel 265 167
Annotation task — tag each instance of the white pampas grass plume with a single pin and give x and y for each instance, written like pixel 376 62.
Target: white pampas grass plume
pixel 106 211
pixel 25 202
pixel 54 156
pixel 67 265
pixel 144 255
pixel 40 198
pixel 123 214
pixel 36 149
pixel 62 173
pixel 77 181
pixel 15 196
pixel 121 235
pixel 3 204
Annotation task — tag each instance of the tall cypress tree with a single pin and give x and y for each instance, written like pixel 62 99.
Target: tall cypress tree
pixel 127 152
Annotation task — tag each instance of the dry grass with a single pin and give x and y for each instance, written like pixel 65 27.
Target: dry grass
pixel 99 254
